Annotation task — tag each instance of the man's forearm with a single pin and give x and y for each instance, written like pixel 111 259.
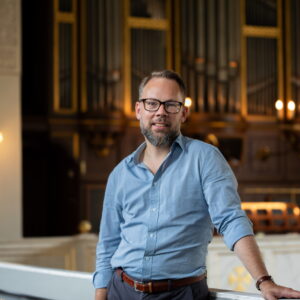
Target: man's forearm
pixel 248 252
pixel 101 294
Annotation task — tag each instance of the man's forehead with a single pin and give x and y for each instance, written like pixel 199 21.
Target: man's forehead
pixel 161 80
pixel 162 85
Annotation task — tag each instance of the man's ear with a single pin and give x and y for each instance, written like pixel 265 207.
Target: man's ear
pixel 185 113
pixel 138 110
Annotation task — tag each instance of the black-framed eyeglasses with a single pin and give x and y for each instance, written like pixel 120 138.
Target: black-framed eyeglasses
pixel 170 106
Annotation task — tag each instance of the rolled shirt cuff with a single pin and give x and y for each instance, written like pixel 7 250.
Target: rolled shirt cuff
pixel 101 279
pixel 234 234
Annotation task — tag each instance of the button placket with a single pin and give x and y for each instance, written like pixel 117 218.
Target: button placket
pixel 152 224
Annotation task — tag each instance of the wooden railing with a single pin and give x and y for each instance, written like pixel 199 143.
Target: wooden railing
pixel 273 217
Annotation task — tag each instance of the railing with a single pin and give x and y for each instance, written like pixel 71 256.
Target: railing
pixel 26 282
pixel 225 295
pixel 77 253
pixel 273 217
pixel 44 283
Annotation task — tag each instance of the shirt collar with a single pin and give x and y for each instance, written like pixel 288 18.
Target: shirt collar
pixel 180 141
pixel 137 153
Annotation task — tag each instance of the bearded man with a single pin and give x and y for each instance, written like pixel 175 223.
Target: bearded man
pixel 161 205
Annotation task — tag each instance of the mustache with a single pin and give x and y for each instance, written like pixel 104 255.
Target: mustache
pixel 161 120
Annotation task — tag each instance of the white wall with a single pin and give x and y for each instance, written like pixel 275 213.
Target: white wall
pixel 10 121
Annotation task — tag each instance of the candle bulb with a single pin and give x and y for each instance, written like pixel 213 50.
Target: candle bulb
pixel 188 102
pixel 279 109
pixel 291 110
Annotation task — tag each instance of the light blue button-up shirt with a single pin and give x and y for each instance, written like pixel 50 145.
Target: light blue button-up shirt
pixel 158 226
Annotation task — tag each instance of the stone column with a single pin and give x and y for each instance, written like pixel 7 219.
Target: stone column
pixel 10 121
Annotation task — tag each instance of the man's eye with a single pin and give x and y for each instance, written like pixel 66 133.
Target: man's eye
pixel 151 103
pixel 171 104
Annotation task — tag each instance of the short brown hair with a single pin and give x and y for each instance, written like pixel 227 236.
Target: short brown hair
pixel 168 74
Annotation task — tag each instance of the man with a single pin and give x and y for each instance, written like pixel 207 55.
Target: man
pixel 161 204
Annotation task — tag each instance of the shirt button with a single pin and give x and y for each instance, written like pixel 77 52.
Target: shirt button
pixel 147 258
pixel 151 235
pixel 153 209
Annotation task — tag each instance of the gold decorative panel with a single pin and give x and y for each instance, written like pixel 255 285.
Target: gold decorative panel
pixel 239 279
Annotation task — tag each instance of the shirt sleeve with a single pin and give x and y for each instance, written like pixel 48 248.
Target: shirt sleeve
pixel 224 204
pixel 109 235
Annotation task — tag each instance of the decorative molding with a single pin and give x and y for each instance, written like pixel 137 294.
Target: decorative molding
pixel 260 31
pixel 147 23
pixel 239 279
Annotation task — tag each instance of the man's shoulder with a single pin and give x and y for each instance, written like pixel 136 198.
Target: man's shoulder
pixel 193 144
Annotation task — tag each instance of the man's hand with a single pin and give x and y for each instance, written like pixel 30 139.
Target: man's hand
pixel 272 291
pixel 101 294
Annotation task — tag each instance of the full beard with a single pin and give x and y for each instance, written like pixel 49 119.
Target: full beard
pixel 159 141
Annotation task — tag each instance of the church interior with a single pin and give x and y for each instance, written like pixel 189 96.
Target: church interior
pixel 69 76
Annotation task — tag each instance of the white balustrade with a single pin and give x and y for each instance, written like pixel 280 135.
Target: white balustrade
pixel 45 283
pixel 281 254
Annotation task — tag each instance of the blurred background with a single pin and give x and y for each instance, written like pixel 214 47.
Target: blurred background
pixel 69 75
